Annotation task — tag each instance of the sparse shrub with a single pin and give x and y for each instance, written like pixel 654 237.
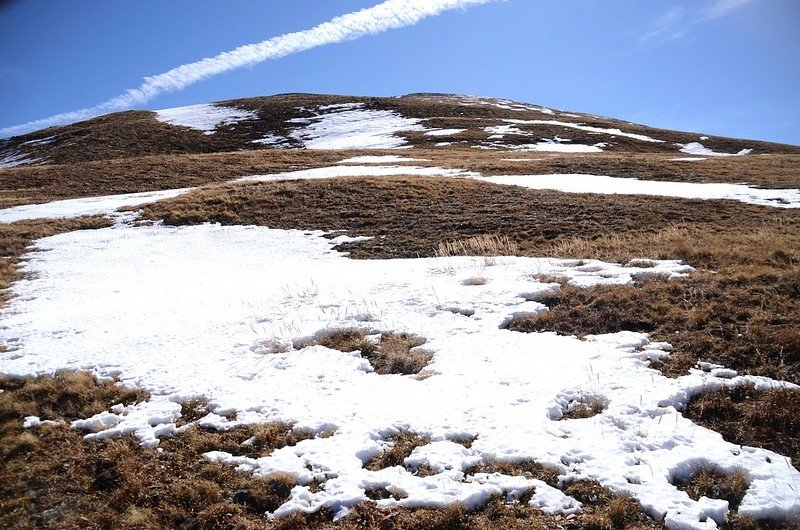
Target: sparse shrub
pixel 475 280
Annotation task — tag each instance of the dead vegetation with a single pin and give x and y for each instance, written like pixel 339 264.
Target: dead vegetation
pixel 425 212
pixel 482 245
pixel 15 238
pixel 769 419
pixel 53 479
pixel 394 353
pixel 714 484
pixel 586 407
pixel 402 445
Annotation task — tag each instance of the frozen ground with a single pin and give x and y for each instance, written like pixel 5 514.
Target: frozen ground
pixel 135 303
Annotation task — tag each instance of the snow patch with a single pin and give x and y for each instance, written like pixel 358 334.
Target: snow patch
pixel 351 126
pixel 387 159
pixel 577 183
pixel 696 148
pixel 579 126
pixel 204 117
pixel 444 132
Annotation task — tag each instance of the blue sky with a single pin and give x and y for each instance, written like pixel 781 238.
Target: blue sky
pixel 725 67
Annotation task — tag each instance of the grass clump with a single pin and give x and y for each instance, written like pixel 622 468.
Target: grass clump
pixel 402 445
pixel 394 353
pixel 586 407
pixel 482 245
pixel 714 484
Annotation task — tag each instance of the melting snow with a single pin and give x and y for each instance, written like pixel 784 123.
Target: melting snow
pixel 696 148
pixel 387 159
pixel 444 132
pixel 351 126
pixel 688 159
pixel 204 117
pixel 13 158
pixel 615 132
pixel 779 198
pixel 271 139
pixel 104 205
pixel 550 146
pixel 136 303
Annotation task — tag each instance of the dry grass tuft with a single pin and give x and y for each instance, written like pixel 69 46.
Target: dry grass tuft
pixel 482 245
pixel 403 444
pixel 586 407
pixel 524 468
pixel 192 410
pixel 394 353
pixel 65 396
pixel 714 484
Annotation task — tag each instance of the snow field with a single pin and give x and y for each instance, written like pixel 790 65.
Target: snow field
pixel 134 302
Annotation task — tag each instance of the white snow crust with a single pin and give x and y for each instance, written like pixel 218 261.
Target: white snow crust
pixel 351 126
pixel 579 183
pixel 696 148
pixel 134 302
pixel 204 117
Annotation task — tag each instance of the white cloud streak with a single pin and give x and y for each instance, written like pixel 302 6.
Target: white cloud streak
pixel 678 22
pixel 723 8
pixel 388 15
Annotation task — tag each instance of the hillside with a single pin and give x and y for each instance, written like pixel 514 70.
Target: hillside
pixel 428 311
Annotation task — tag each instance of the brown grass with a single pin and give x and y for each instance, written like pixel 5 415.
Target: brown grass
pixel 403 444
pixel 15 238
pixel 482 245
pixel 743 416
pixel 587 407
pixel 525 468
pixel 56 480
pixel 394 353
pixel 427 211
pixel 53 479
pixel 711 483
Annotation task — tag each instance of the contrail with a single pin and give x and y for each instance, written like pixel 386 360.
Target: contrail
pixel 390 14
